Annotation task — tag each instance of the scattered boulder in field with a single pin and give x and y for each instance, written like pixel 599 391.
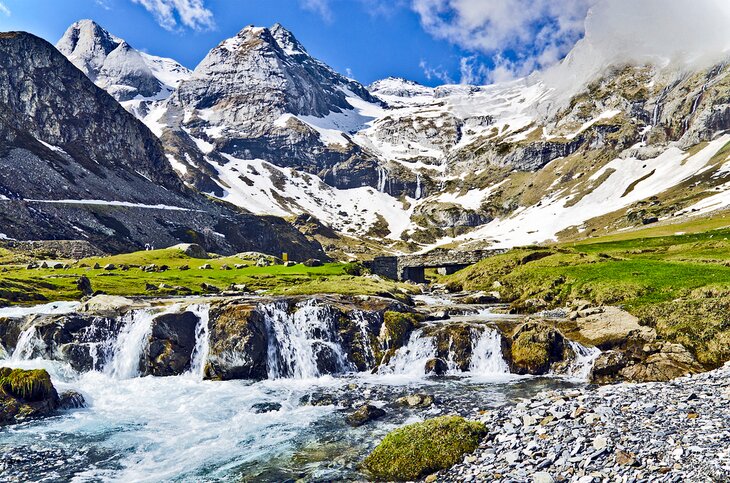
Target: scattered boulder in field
pixel 193 250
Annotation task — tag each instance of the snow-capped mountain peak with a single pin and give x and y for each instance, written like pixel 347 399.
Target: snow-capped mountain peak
pixel 399 87
pixel 127 74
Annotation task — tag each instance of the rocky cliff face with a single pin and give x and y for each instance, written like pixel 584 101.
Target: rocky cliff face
pixel 74 163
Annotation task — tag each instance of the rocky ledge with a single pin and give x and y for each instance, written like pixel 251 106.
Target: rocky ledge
pixel 658 432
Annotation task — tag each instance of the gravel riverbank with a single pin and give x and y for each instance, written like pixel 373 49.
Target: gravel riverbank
pixel 677 431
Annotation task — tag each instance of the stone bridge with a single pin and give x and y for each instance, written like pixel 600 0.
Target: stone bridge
pixel 412 267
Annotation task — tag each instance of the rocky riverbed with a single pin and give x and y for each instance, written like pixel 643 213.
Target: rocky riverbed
pixel 676 431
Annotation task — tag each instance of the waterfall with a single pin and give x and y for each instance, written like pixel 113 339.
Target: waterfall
pixel 486 354
pixel 658 106
pixel 412 357
pixel 28 344
pixel 363 324
pixel 418 186
pixel 303 344
pixel 695 105
pixel 126 350
pixel 202 339
pixel 382 178
pixel 581 366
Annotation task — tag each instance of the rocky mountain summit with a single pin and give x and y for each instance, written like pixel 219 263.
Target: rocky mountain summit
pixel 134 78
pixel 74 163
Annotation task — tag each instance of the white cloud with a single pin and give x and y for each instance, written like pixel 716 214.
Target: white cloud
pixel 435 73
pixel 4 9
pixel 672 33
pixel 535 33
pixel 172 14
pixel 320 7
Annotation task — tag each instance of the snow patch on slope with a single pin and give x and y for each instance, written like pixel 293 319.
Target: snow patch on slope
pixel 542 222
pixel 266 189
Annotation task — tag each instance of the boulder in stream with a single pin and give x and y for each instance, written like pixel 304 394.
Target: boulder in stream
pixel 26 394
pixel 364 414
pixel 171 344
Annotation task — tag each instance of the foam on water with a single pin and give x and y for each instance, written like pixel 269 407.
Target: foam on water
pixel 53 308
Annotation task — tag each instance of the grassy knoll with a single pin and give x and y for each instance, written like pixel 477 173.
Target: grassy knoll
pixel 21 285
pixel 679 284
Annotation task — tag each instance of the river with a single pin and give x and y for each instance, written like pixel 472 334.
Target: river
pixel 184 428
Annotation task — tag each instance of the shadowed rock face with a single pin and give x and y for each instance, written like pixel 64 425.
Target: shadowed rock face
pixel 93 170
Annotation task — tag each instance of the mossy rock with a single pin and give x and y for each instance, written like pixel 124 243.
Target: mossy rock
pixel 32 385
pixel 535 347
pixel 398 327
pixel 419 449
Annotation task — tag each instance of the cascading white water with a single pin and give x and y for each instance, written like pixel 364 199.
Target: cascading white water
pixel 28 343
pixel 382 179
pixel 581 366
pixel 127 349
pixel 202 339
pixel 418 186
pixel 486 355
pixel 299 341
pixel 412 357
pixel 364 325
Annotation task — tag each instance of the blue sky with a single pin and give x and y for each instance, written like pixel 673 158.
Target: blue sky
pixel 429 41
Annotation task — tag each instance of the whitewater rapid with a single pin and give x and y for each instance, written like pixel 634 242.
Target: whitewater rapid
pixel 184 428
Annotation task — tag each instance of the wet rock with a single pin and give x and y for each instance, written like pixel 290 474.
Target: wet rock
pixel 416 400
pixel 607 366
pixel 71 400
pixel 437 367
pixel 536 346
pixel 238 343
pixel 266 407
pixel 454 342
pixel 364 414
pixel 170 344
pixel 26 394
